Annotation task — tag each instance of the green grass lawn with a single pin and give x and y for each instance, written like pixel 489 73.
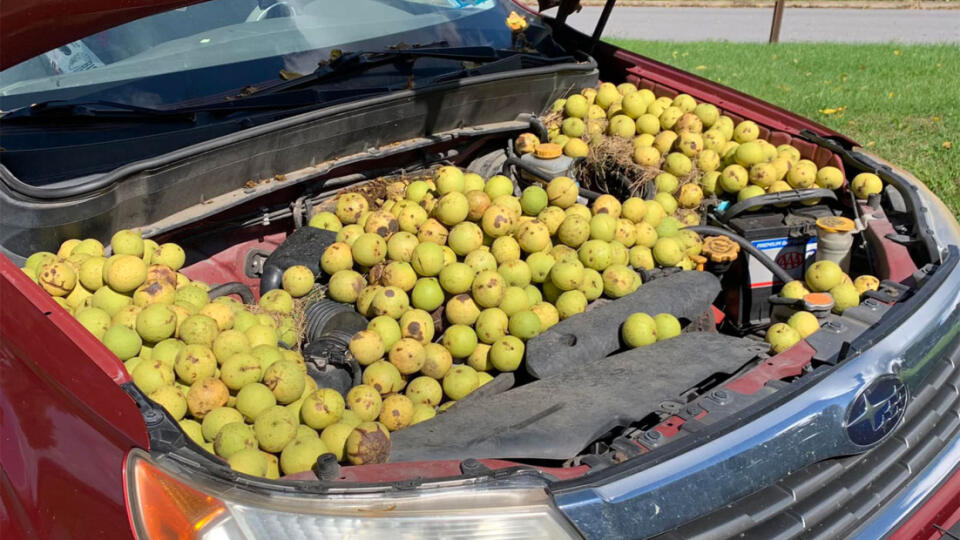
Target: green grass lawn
pixel 901 102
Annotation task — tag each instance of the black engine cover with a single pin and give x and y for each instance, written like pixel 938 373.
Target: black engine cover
pixel 558 416
pixel 589 336
pixel 304 246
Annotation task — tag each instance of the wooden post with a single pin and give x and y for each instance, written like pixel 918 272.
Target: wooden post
pixel 777 19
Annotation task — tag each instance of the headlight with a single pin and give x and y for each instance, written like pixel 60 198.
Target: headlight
pixel 944 224
pixel 165 505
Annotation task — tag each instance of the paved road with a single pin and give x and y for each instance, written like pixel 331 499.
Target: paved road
pixel 753 24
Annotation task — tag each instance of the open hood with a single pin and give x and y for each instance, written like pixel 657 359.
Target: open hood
pixel 32 27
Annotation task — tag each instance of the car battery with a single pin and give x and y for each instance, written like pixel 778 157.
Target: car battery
pixel 789 238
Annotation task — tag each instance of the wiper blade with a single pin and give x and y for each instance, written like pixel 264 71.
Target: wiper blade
pixel 109 110
pixel 513 63
pixel 479 53
pixel 303 91
pixel 354 62
pixel 55 109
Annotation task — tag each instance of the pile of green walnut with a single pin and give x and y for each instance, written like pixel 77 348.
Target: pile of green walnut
pixel 821 277
pixel 456 273
pixel 216 366
pixel 692 148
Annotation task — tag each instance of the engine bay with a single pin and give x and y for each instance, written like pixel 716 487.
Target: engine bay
pixel 625 269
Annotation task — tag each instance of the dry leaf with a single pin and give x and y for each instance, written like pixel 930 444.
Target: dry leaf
pixel 836 110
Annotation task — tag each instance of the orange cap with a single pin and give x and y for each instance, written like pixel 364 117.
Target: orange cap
pixel 548 150
pixel 720 249
pixel 818 299
pixel 835 224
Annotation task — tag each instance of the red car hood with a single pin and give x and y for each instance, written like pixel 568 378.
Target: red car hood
pixel 32 27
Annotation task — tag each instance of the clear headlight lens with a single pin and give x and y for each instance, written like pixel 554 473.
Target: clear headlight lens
pixel 163 505
pixel 944 224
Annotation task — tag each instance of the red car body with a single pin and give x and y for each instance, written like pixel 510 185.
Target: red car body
pixel 66 425
pixel 34 26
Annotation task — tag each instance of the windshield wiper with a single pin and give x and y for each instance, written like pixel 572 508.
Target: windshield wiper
pixel 100 110
pixel 358 61
pixel 58 108
pixel 304 91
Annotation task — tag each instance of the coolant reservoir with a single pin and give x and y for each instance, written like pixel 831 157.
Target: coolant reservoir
pixel 834 240
pixel 547 158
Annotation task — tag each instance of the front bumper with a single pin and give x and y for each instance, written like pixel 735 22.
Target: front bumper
pixel 864 496
pixel 781 472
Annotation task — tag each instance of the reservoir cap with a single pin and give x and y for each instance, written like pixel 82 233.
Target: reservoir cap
pixel 548 151
pixel 720 249
pixel 836 224
pixel 818 302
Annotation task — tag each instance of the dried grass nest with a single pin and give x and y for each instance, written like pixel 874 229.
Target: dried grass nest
pixel 378 190
pixel 299 308
pixel 609 168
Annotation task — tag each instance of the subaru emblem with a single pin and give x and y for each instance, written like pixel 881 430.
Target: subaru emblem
pixel 876 411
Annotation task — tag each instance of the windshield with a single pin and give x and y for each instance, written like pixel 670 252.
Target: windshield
pixel 213 47
pixel 193 74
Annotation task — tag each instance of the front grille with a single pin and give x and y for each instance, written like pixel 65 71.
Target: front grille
pixel 827 500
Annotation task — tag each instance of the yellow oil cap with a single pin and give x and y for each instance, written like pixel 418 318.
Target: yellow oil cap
pixel 836 224
pixel 720 249
pixel 548 151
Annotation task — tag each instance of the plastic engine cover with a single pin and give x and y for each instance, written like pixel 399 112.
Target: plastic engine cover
pixel 304 246
pixel 592 335
pixel 558 416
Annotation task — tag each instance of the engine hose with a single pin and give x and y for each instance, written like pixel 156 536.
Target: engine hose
pixel 539 128
pixel 271 279
pixel 234 287
pixel 516 162
pixel 745 244
pixel 775 198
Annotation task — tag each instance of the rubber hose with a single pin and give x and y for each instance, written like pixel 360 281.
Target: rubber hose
pixel 540 129
pixel 234 287
pixel 271 279
pixel 781 274
pixel 773 198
